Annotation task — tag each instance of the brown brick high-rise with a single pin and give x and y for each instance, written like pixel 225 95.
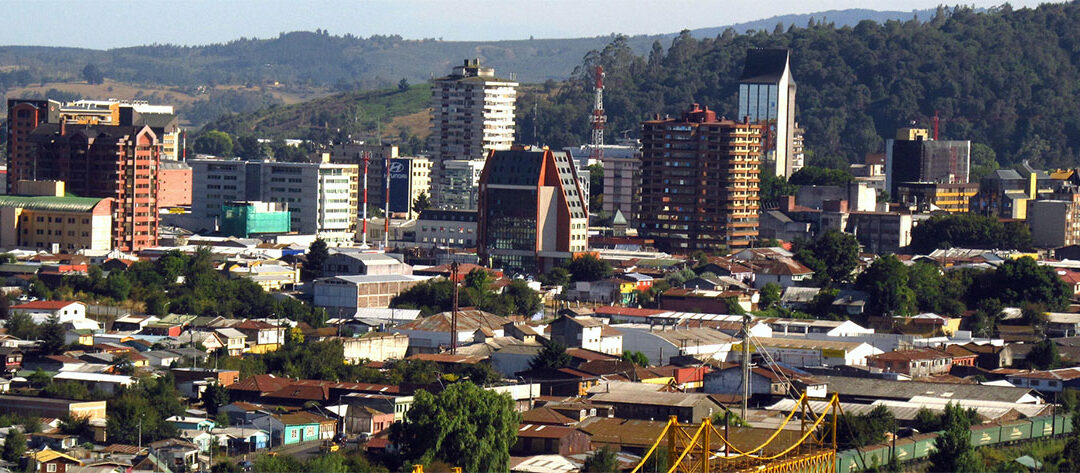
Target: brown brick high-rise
pixel 120 162
pixel 700 180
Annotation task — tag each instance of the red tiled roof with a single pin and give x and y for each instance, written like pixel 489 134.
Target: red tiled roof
pixel 253 325
pixel 45 305
pixel 545 415
pixel 627 311
pixel 263 383
pixel 309 393
pixel 588 355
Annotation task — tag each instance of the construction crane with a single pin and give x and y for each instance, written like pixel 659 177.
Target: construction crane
pixel 598 118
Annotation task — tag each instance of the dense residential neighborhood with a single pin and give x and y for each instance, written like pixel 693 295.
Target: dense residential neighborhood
pixel 709 287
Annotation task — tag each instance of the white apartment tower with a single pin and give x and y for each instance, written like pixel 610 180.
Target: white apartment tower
pixel 322 198
pixel 472 114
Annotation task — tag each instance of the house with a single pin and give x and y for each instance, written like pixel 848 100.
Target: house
pixel 368 421
pixel 642 282
pixel 241 439
pixel 54 363
pixel 52 441
pixel 202 439
pixel 688 407
pixel 539 439
pixel 916 362
pixel 723 266
pixel 850 301
pixel 987 356
pixel 12 359
pixel 261 336
pixel 774 380
pixel 397 404
pixel 428 334
pixel 799 298
pixel 296 427
pixel 108 383
pixel 181 455
pixel 679 299
pixel 605 291
pixel 133 323
pixel 1062 324
pixel 271 277
pixel 41 311
pixel 170 326
pixel 208 341
pixel 782 270
pixel 50 461
pixel 191 423
pixel 1048 381
pixel 235 340
pixel 660 343
pixel 160 358
pixel 588 333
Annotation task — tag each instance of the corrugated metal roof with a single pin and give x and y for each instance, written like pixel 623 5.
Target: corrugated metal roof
pixel 58 204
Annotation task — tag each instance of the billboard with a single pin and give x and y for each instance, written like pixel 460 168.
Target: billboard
pixel 400 192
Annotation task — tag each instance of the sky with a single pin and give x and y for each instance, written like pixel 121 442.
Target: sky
pixel 103 24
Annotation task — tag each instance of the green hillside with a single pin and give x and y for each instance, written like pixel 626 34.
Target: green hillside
pixel 1005 78
pixel 336 117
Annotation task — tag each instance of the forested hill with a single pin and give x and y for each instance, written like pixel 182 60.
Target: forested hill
pixel 1006 78
pixel 322 59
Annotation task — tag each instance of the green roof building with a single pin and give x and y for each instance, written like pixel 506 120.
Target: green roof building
pixel 244 219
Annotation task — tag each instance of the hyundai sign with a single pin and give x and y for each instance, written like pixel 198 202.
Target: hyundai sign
pixel 399 185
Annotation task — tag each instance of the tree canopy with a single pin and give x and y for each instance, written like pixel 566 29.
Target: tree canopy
pixel 463 425
pixel 833 255
pixel 968 230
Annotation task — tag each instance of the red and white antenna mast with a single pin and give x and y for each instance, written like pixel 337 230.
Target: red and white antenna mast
pixel 598 118
pixel 366 157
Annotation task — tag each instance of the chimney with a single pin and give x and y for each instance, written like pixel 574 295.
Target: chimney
pixel 789 203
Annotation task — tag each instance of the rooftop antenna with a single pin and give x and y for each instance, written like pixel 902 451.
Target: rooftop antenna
pixel 598 118
pixel 936 122
pixel 366 157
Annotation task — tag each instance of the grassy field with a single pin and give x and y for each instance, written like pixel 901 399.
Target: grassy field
pixel 170 95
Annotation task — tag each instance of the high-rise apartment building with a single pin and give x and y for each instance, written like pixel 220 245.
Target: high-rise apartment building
pixel 105 161
pixel 23 117
pixel 532 213
pixel 322 198
pixel 914 157
pixel 767 96
pixel 700 180
pixel 472 114
pixel 622 180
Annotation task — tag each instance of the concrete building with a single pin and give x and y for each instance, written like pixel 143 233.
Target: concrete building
pixel 53 222
pixel 246 219
pixel 409 176
pixel 913 156
pixel 767 97
pixel 532 214
pixel 472 115
pixel 42 311
pixel 458 183
pixel 174 184
pixel 880 232
pixel 930 196
pixel 23 117
pixel 1004 194
pixel 446 228
pixel 57 408
pixel 322 198
pixel 1055 220
pixel 376 346
pixel 343 295
pixel 351 261
pixel 117 162
pixel 798 352
pixel 622 180
pixel 916 362
pixel 699 182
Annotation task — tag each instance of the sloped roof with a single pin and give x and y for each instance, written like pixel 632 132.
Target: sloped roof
pixel 52 203
pixel 467 320
pixel 45 305
pixel 545 415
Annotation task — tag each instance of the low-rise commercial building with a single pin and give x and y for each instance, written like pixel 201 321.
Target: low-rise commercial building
pixel 56 222
pixel 56 408
pixel 343 295
pixel 446 228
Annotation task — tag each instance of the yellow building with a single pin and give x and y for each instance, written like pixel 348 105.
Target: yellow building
pixel 927 196
pixel 271 276
pixel 47 218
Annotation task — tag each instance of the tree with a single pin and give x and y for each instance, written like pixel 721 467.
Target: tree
pixel 403 84
pixel 463 425
pixel 422 203
pixel 226 467
pixel 14 446
pixel 317 255
pixel 92 75
pixel 66 390
pixel 52 336
pixel 596 187
pixel 327 463
pixel 637 358
pixel 215 397
pixel 214 142
pixel 21 325
pixel 601 461
pixel 969 230
pixel 553 356
pixel 833 256
pixel 886 280
pixel 557 276
pixel 770 295
pixel 953 450
pixel 819 176
pixel 1022 280
pixel 866 429
pixel 1044 355
pixel 588 268
pixel 774 187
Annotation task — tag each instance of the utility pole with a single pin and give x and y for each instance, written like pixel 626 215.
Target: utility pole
pixel 454 307
pixel 745 363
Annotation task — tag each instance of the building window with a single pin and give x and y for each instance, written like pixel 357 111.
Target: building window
pixel 50 467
